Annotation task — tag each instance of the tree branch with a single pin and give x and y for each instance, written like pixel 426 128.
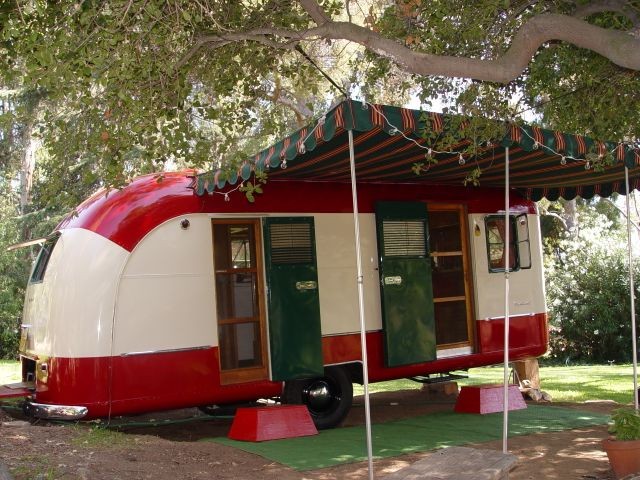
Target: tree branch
pixel 619 47
pixel 315 11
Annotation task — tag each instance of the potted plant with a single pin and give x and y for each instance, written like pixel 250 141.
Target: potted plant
pixel 624 449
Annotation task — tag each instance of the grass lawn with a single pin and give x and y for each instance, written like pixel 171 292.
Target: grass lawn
pixel 564 384
pixel 9 372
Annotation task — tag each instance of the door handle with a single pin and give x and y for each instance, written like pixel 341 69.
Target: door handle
pixel 306 285
pixel 394 280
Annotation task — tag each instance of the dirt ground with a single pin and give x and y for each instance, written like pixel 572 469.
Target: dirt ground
pixel 45 451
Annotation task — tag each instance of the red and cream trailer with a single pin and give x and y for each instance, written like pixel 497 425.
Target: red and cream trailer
pixel 153 297
pixel 164 294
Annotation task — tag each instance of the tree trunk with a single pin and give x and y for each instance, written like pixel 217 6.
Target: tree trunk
pixel 571 215
pixel 27 166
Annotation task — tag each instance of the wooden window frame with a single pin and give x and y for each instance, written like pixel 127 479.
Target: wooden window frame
pixel 465 252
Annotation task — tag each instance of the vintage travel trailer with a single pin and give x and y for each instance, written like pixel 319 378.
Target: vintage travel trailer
pixel 154 297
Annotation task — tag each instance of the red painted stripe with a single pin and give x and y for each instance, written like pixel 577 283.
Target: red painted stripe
pixel 127 215
pixel 145 383
pixel 169 380
pixel 528 337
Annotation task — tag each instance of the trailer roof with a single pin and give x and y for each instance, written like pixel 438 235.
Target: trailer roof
pixel 392 144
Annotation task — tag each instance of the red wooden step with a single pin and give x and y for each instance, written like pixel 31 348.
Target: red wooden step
pixel 257 424
pixel 14 390
pixel 488 399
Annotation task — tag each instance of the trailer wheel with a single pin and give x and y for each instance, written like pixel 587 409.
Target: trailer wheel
pixel 328 398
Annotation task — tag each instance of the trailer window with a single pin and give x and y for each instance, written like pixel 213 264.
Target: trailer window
pixel 43 259
pixel 495 235
pixel 524 244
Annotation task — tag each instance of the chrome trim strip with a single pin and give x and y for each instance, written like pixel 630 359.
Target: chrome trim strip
pixel 57 412
pixel 453 352
pixel 169 350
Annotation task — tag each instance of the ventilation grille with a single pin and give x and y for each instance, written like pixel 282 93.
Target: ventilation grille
pixel 291 243
pixel 404 238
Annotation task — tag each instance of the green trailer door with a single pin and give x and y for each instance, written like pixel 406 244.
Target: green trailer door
pixel 293 301
pixel 405 283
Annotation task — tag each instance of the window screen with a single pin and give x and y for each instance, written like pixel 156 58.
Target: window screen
pixel 495 235
pixel 291 243
pixel 43 258
pixel 404 238
pixel 524 244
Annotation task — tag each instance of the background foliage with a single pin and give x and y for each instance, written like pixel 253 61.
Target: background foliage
pixel 587 284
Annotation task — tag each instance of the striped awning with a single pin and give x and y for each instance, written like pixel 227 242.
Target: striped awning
pixel 390 147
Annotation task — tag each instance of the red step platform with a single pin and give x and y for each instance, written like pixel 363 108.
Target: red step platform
pixel 488 399
pixel 271 423
pixel 14 390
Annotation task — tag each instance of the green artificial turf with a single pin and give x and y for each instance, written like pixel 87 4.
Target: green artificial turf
pixel 426 432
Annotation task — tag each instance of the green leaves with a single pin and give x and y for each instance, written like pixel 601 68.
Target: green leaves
pixel 252 189
pixel 626 424
pixel 588 289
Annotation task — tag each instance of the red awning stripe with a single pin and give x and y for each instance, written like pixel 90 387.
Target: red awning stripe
pixel 376 116
pixel 340 117
pixel 582 146
pixel 537 134
pixel 300 142
pixel 516 133
pixel 561 145
pixel 437 124
pixel 408 122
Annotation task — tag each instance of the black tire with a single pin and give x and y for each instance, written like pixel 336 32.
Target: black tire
pixel 328 398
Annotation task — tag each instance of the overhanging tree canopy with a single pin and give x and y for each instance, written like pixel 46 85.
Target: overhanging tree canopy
pixel 126 86
pixel 395 144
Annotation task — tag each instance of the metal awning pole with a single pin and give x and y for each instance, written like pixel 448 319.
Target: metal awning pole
pixel 507 264
pixel 363 330
pixel 632 294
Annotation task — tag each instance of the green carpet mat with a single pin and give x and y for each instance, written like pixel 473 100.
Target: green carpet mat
pixel 426 432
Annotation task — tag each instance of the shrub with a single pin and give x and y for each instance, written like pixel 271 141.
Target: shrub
pixel 588 296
